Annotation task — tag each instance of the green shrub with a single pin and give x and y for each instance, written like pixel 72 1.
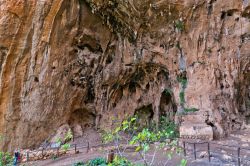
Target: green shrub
pixel 120 161
pixel 142 139
pixel 6 159
pixel 168 127
pixel 182 81
pixel 183 162
pixel 68 137
pixel 97 162
pixel 191 109
pixel 80 163
pixel 180 25
pixel 182 97
pixel 65 147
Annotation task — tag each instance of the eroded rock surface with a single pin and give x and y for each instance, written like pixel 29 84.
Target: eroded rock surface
pixel 109 58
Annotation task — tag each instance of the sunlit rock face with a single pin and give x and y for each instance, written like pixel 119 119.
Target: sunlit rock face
pixel 101 61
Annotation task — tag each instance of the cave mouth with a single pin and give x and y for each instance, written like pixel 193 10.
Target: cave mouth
pixel 248 120
pixel 145 116
pixel 244 95
pixel 167 106
pixel 81 120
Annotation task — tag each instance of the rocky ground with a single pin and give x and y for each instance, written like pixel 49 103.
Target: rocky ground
pixel 220 155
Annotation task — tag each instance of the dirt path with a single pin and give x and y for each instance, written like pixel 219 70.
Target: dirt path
pixel 239 138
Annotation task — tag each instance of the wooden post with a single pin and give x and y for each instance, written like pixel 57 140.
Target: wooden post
pixel 88 147
pixel 194 151
pixel 238 156
pixel 184 148
pixel 75 148
pixel 57 153
pixel 27 156
pixel 111 155
pixel 42 152
pixel 208 151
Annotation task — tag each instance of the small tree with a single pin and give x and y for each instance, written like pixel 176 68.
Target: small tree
pixel 143 140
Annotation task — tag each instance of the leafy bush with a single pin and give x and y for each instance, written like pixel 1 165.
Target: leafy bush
pixel 141 138
pixel 180 25
pixel 191 109
pixel 69 136
pixel 182 97
pixel 6 159
pixel 182 81
pixel 65 147
pixel 183 162
pixel 80 163
pixel 120 161
pixel 168 127
pixel 97 162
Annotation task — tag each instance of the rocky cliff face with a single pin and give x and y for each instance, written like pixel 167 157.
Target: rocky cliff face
pixel 86 63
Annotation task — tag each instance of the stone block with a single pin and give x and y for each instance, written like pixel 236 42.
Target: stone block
pixel 196 131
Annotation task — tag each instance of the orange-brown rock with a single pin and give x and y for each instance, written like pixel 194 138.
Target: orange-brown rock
pixel 92 63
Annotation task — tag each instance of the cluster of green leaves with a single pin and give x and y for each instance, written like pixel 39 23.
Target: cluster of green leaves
pixel 96 162
pixel 6 159
pixel 79 163
pixel 69 136
pixel 191 109
pixel 183 162
pixel 180 25
pixel 168 127
pixel 182 81
pixel 118 161
pixel 182 97
pixel 143 138
pixel 127 126
pixel 64 145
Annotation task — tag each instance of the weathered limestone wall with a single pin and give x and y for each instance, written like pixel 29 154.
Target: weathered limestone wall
pixel 110 58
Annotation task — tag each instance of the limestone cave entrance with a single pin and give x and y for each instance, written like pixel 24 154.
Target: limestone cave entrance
pixel 244 94
pixel 80 121
pixel 246 97
pixel 145 116
pixel 167 106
